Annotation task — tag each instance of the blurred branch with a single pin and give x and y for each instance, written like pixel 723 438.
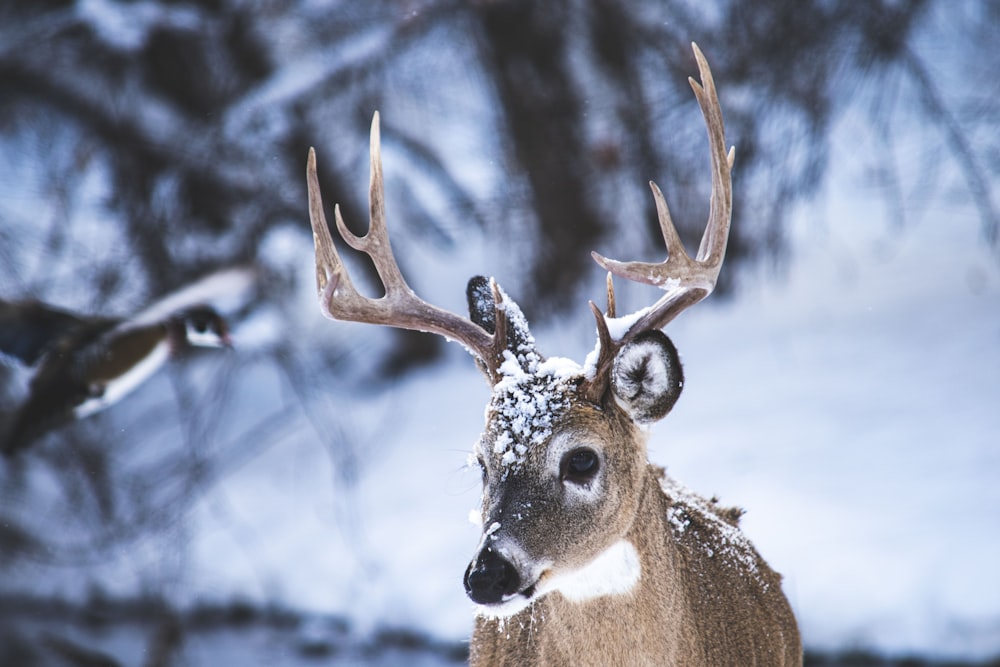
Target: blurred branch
pixel 958 142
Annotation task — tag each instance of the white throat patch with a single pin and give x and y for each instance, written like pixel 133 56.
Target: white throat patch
pixel 613 572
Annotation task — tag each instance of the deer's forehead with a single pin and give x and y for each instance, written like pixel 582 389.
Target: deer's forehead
pixel 525 413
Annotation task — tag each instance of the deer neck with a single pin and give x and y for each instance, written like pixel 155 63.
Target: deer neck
pixel 559 629
pixel 653 612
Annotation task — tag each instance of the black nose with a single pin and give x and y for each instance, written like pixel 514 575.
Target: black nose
pixel 490 577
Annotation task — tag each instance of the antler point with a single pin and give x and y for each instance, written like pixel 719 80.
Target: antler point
pixel 375 145
pixel 601 260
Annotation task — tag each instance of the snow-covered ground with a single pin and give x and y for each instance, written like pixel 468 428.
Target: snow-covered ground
pixel 851 406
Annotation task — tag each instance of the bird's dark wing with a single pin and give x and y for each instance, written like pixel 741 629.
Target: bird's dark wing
pixel 29 328
pixel 49 405
pixel 56 387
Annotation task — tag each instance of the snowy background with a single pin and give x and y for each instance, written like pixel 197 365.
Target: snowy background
pixel 851 408
pixel 846 393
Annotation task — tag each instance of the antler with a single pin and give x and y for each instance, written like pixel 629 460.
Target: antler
pixel 400 307
pixel 686 281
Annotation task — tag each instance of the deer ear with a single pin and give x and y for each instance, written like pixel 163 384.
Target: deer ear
pixel 647 377
pixel 483 311
pixel 482 308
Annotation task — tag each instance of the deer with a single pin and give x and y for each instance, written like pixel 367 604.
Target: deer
pixel 590 554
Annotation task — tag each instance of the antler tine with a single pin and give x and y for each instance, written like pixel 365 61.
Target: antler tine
pixel 713 242
pixel 378 236
pixel 687 280
pixel 400 307
pixel 612 308
pixel 329 267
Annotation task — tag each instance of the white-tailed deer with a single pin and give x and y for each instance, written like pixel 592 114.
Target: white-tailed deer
pixel 590 555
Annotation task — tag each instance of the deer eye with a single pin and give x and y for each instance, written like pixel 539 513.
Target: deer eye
pixel 579 466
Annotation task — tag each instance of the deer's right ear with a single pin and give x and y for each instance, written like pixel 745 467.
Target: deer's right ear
pixel 647 377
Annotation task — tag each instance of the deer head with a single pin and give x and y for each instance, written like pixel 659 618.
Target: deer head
pixel 563 451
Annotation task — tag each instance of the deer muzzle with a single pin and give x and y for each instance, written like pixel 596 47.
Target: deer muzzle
pixel 491 578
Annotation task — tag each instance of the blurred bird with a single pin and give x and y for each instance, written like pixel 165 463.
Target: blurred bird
pixel 85 364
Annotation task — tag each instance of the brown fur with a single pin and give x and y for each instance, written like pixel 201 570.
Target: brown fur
pixel 704 597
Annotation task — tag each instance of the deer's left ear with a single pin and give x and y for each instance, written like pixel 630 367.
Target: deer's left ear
pixel 647 377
